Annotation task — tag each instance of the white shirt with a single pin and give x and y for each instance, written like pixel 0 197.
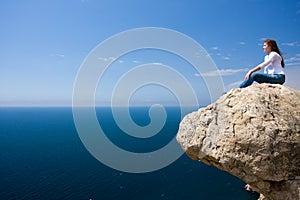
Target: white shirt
pixel 272 64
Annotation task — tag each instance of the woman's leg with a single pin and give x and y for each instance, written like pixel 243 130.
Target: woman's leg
pixel 264 78
pixel 248 82
pixel 269 78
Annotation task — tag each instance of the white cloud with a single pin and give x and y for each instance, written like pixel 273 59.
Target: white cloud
pixel 222 72
pixel 157 63
pixel 226 58
pixel 217 52
pixel 57 55
pixel 106 59
pixel 293 64
pixel 263 39
pixel 291 44
pixel 293 61
pixel 215 48
pixel 243 43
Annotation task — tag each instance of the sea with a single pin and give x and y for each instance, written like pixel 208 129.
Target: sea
pixel 43 158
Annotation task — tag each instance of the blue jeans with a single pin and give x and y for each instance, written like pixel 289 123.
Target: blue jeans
pixel 263 78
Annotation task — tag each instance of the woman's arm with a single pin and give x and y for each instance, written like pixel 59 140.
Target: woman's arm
pixel 251 71
pixel 270 58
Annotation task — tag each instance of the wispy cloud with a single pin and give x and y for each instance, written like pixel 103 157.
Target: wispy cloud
pixel 215 48
pixel 106 59
pixel 262 39
pixel 294 58
pixel 217 51
pixel 222 72
pixel 157 63
pixel 225 57
pixel 291 44
pixel 57 55
pixel 293 64
pixel 242 43
pixel 293 61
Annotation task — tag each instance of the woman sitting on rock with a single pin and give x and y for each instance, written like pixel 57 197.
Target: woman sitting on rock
pixel 273 67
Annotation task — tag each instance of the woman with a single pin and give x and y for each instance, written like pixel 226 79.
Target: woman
pixel 273 67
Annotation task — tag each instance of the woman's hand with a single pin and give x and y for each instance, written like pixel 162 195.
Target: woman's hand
pixel 252 71
pixel 247 76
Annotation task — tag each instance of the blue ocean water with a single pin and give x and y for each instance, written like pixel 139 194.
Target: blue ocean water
pixel 42 157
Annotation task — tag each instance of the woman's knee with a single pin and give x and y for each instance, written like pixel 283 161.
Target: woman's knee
pixel 261 78
pixel 255 76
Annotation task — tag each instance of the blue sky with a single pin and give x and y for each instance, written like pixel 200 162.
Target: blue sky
pixel 43 43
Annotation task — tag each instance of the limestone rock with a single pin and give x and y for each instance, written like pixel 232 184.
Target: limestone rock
pixel 252 133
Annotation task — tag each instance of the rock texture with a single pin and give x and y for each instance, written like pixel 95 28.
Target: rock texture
pixel 252 133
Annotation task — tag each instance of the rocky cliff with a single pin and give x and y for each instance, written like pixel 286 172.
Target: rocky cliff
pixel 252 133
